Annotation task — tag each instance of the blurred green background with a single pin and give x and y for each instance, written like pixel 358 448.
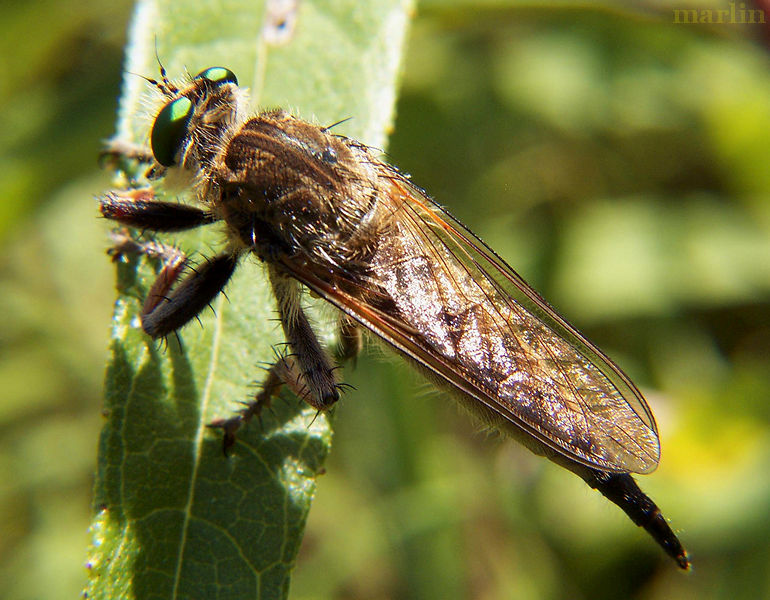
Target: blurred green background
pixel 617 160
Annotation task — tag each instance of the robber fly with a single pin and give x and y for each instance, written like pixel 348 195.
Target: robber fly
pixel 324 212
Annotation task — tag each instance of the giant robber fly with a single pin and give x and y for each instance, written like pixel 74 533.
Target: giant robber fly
pixel 324 212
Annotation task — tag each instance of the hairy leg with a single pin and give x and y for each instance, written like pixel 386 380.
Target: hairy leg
pixel 307 371
pixel 139 208
pixel 320 388
pixel 170 305
pixel 170 302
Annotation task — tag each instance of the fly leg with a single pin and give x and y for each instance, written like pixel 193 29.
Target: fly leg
pixel 139 208
pixel 127 157
pixel 349 339
pixel 282 372
pixel 117 150
pixel 319 387
pixel 307 371
pixel 169 304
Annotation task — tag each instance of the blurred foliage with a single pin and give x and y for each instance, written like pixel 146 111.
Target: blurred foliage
pixel 616 159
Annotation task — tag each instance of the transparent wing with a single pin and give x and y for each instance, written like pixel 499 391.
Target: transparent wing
pixel 440 295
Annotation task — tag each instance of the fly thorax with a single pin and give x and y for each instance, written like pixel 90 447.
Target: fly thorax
pixel 289 186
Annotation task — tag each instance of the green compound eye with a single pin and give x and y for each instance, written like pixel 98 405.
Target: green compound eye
pixel 169 130
pixel 218 75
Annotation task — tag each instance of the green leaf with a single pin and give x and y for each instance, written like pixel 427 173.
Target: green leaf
pixel 174 517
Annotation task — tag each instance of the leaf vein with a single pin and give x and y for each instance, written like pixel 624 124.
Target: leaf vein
pixel 198 442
